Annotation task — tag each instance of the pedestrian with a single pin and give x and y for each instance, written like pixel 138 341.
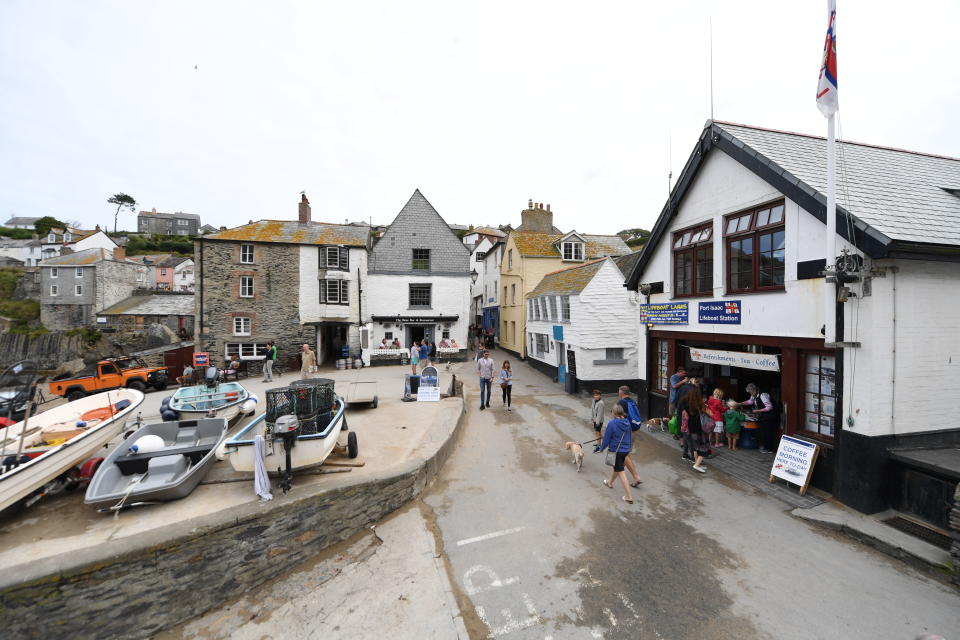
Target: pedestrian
pixel 618 437
pixel 677 380
pixel 308 362
pixel 715 409
pixel 485 369
pixel 632 413
pixel 506 384
pixel 733 420
pixel 691 410
pixel 596 417
pixel 768 416
pixel 414 357
pixel 425 353
pixel 272 354
pixel 433 351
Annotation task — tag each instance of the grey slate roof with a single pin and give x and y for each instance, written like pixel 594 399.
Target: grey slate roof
pixel 901 194
pixel 153 305
pixel 627 262
pixel 20 220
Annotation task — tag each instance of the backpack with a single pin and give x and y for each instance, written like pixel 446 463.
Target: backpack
pixel 633 413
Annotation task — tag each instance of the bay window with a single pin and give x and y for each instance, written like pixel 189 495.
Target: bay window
pixel 755 242
pixel 693 261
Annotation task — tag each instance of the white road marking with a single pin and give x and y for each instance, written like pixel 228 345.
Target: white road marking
pixel 488 536
pixel 493 582
pixel 629 605
pixel 515 625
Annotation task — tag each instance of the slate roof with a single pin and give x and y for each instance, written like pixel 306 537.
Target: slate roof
pixel 10 243
pixel 20 220
pixel 489 231
pixel 628 262
pixel 294 232
pixel 80 258
pixel 569 281
pixel 901 194
pixel 178 214
pixel 153 305
pixel 541 245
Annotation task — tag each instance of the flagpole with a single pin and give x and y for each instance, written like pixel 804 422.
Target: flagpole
pixel 829 292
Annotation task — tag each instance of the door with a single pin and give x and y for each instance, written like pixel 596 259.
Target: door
pixel 109 376
pixel 561 363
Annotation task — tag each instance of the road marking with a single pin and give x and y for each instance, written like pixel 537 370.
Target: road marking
pixel 513 624
pixel 493 582
pixel 488 536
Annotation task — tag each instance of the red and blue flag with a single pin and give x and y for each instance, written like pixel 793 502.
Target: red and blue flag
pixel 827 87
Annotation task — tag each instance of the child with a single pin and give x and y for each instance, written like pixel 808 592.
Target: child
pixel 596 415
pixel 733 420
pixel 715 409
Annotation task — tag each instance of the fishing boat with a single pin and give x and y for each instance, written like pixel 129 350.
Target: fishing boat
pixel 38 450
pixel 158 462
pixel 212 398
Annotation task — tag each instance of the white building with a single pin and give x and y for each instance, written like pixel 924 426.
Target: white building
pixel 582 326
pixel 734 274
pixel 184 276
pixel 480 284
pixel 419 279
pixel 491 288
pixel 21 222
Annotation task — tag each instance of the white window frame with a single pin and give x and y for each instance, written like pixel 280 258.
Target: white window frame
pixel 54 272
pixel 335 291
pixel 564 308
pixel 573 251
pixel 66 237
pixel 51 238
pixel 552 301
pixel 246 350
pixel 78 289
pixel 78 272
pixel 242 326
pixel 54 290
pixel 183 222
pixel 244 249
pixel 246 280
pixel 542 344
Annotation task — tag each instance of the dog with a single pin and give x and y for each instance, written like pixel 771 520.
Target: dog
pixel 657 422
pixel 577 453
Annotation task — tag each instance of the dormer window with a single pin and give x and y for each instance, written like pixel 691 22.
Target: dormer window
pixel 66 237
pixel 51 238
pixel 573 250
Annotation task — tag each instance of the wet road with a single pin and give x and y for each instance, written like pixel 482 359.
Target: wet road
pixel 536 550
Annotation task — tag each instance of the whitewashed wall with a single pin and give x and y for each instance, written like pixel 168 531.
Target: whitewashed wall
pixel 476 292
pixel 98 240
pixel 388 295
pixel 491 266
pixel 310 308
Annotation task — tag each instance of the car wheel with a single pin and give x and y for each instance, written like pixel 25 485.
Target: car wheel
pixel 353 450
pixel 160 386
pixel 137 385
pixel 76 394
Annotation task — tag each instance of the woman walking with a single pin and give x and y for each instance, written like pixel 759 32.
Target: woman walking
pixel 691 408
pixel 618 437
pixel 506 383
pixel 414 357
pixel 596 416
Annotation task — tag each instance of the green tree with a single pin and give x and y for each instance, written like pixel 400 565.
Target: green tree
pixel 635 238
pixel 122 201
pixel 44 224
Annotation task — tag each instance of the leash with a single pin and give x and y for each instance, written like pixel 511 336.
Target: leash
pixel 589 441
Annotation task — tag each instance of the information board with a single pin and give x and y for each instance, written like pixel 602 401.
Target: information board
pixel 201 359
pixel 667 313
pixel 721 312
pixel 428 394
pixel 794 462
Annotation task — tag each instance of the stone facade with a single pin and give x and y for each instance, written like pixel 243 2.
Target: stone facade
pixel 103 283
pixel 168 224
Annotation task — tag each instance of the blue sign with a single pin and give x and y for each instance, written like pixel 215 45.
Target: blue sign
pixel 722 312
pixel 558 332
pixel 668 313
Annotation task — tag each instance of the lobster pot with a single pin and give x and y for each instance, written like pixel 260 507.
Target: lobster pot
pixel 299 401
pixel 323 387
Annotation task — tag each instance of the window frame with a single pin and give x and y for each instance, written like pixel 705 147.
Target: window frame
pixel 753 231
pixel 821 397
pixel 552 304
pixel 513 294
pixel 248 280
pixel 78 272
pixel 576 251
pixel 54 290
pixel 339 286
pixel 77 290
pixel 420 286
pixel 54 272
pixel 239 322
pixel 564 309
pixel 661 365
pixel 481 255
pixel 421 260
pixel 692 243
pixel 246 350
pixel 243 250
pixel 337 258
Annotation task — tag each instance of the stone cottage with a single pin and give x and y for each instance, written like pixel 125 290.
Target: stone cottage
pixel 75 287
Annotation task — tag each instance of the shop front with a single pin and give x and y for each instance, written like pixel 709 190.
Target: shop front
pixel 798 373
pixel 410 329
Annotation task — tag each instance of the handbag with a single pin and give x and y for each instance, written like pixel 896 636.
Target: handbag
pixel 674 425
pixel 611 458
pixel 706 423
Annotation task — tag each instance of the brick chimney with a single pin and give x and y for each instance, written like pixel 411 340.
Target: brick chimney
pixel 120 254
pixel 304 208
pixel 536 218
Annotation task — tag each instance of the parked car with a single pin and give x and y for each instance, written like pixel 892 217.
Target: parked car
pixel 112 373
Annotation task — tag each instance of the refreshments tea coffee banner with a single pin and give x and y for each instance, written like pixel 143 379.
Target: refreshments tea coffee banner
pixel 761 361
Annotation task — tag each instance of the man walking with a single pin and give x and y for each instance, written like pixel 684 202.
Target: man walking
pixel 308 362
pixel 271 357
pixel 485 368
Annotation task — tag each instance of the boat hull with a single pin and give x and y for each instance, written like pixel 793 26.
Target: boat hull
pixel 198 400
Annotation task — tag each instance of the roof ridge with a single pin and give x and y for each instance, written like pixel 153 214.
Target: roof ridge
pixel 850 142
pixel 577 266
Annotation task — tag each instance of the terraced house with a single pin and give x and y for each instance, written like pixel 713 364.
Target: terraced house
pixel 291 281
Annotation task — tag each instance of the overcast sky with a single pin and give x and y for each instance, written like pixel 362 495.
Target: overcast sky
pixel 230 109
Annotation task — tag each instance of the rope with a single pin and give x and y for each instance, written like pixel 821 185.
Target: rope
pixel 133 485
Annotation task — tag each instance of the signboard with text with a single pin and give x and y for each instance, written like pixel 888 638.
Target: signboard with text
pixel 720 312
pixel 428 394
pixel 794 462
pixel 742 359
pixel 666 313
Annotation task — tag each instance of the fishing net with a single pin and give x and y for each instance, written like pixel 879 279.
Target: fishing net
pixel 310 400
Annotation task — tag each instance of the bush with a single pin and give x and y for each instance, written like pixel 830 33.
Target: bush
pixel 144 244
pixel 90 336
pixel 17 234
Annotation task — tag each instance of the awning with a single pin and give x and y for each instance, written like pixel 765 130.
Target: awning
pixel 414 319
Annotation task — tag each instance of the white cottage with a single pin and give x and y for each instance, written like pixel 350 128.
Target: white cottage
pixel 581 326
pixel 480 276
pixel 733 280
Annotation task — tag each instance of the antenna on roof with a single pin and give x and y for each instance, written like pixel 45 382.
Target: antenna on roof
pixel 669 162
pixel 711 68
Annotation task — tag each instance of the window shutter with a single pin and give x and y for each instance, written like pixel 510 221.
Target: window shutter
pixel 323 291
pixel 344 259
pixel 344 291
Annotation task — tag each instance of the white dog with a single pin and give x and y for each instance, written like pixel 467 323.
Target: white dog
pixel 577 453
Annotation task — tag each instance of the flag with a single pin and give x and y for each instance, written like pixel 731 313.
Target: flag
pixel 827 88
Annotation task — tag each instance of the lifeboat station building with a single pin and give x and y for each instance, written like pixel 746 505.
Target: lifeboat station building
pixel 731 287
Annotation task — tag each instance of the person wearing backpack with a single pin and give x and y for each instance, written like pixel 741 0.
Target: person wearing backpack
pixel 632 413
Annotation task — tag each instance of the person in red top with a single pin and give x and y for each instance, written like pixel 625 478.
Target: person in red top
pixel 715 408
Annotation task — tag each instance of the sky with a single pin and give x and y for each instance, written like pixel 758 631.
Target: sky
pixel 230 109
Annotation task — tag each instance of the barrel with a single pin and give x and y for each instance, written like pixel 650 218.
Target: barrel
pixel 348 364
pixel 340 362
pixel 357 363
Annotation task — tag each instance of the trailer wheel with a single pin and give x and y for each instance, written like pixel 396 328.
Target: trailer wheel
pixel 353 450
pixel 76 394
pixel 160 386
pixel 376 401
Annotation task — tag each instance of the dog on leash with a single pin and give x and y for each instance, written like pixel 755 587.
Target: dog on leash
pixel 657 422
pixel 577 453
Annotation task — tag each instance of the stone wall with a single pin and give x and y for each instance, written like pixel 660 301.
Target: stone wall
pixel 137 594
pixel 49 350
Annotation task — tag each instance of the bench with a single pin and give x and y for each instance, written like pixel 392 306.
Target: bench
pixel 138 462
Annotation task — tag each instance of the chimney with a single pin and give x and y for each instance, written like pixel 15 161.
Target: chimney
pixel 536 218
pixel 304 208
pixel 154 211
pixel 119 254
pixel 98 227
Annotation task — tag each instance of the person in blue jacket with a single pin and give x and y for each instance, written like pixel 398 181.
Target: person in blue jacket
pixel 618 437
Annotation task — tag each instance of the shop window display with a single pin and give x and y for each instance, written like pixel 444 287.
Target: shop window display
pixel 820 398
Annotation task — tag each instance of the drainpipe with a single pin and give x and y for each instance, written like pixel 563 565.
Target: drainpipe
pixel 360 312
pixel 199 335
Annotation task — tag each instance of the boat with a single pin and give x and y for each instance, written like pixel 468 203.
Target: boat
pixel 320 425
pixel 36 451
pixel 212 398
pixel 135 472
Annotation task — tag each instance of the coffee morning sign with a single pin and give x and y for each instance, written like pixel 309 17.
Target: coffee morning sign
pixel 761 361
pixel 794 462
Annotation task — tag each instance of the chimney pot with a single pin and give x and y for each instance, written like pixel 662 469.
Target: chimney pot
pixel 530 203
pixel 304 208
pixel 548 206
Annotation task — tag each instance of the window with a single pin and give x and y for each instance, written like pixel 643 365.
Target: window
pixel 553 308
pixel 246 286
pixel 388 335
pixel 513 294
pixel 163 272
pixel 543 309
pixel 246 351
pixel 661 377
pixel 821 394
pixel 78 272
pixel 246 254
pixel 573 251
pixel 564 308
pixel 755 242
pixel 55 272
pixel 480 255
pixel 421 259
pixel 335 258
pixel 504 300
pixel 509 262
pixel 78 290
pixel 536 309
pixel 241 326
pixel 513 332
pixel 542 344
pixel 182 222
pixel 529 309
pixel 51 238
pixel 54 290
pixel 693 261
pixel 614 354
pixel 66 237
pixel 420 295
pixel 183 232
pixel 140 276
pixel 335 291
pixel 445 334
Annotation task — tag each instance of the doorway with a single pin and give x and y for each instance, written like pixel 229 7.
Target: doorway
pixel 417 332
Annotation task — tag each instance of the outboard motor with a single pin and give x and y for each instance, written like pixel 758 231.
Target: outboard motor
pixel 287 428
pixel 211 377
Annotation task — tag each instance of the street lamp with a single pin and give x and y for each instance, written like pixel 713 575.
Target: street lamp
pixel 473 276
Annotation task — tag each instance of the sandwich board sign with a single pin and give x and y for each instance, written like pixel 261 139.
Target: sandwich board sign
pixel 794 462
pixel 429 389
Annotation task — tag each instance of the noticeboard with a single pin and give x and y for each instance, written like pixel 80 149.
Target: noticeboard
pixel 429 377
pixel 794 462
pixel 719 312
pixel 666 313
pixel 201 359
pixel 428 394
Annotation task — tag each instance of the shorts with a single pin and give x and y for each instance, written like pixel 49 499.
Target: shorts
pixel 618 463
pixel 414 360
pixel 718 426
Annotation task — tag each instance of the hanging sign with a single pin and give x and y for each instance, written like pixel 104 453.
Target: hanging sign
pixel 794 462
pixel 721 312
pixel 761 361
pixel 558 332
pixel 668 313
